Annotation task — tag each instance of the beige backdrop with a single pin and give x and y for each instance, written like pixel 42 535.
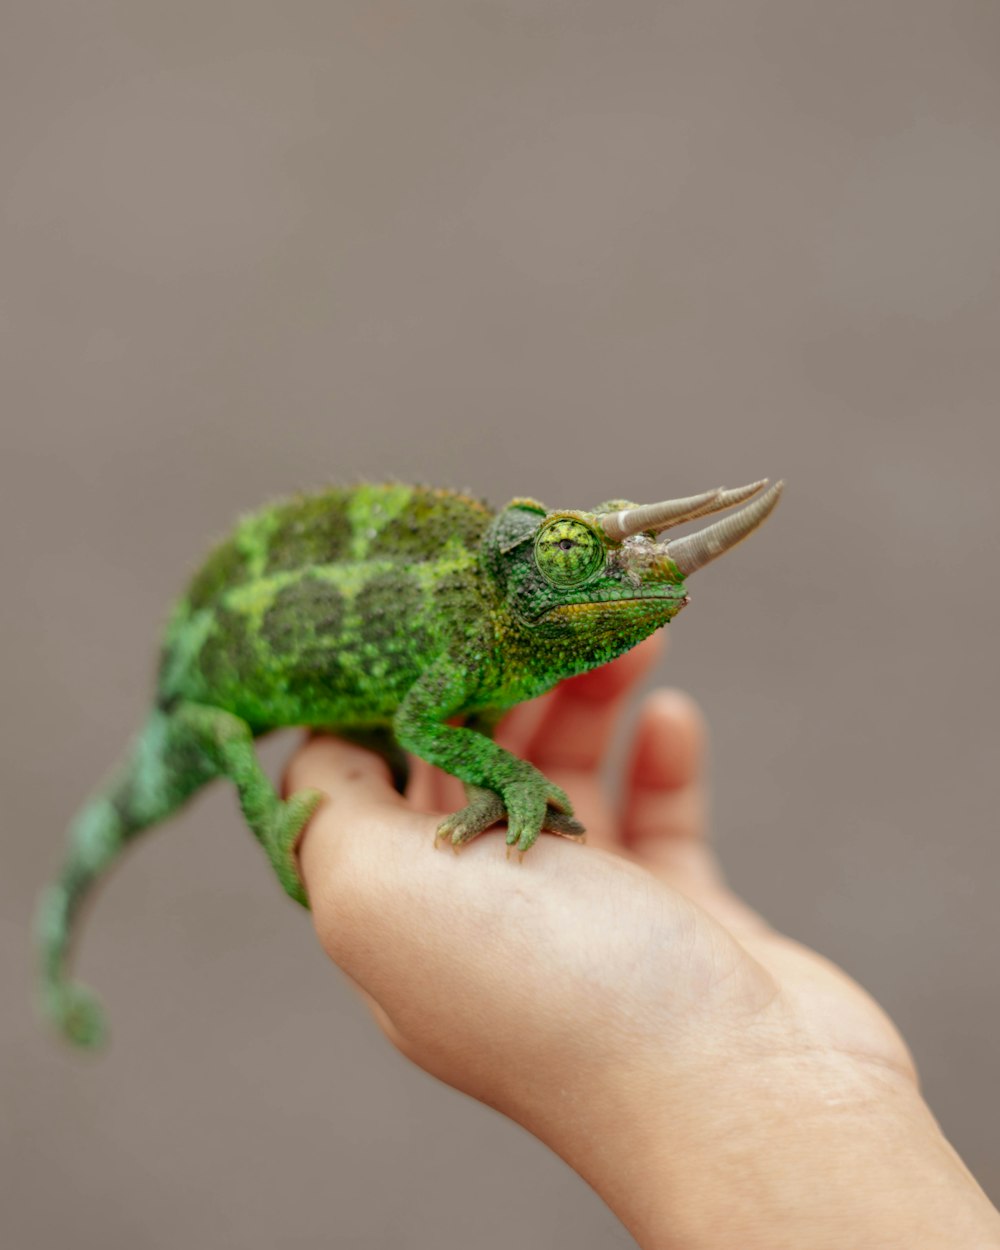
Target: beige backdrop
pixel 568 249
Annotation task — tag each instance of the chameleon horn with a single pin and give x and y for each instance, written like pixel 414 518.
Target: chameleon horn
pixel 660 516
pixel 695 550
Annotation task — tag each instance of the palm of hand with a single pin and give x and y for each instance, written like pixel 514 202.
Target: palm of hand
pixel 498 978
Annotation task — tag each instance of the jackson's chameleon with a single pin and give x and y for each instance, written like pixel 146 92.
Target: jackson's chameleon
pixel 382 612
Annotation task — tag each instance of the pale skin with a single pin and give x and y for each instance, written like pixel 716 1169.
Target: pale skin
pixel 716 1083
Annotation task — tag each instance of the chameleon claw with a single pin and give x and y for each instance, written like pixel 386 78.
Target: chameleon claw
pixel 486 808
pixel 450 837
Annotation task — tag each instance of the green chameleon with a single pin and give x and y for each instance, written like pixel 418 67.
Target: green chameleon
pixel 382 612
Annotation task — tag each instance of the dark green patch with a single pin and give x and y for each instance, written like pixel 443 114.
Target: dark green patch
pixel 306 612
pixel 225 567
pixel 307 531
pixel 228 656
pixel 457 597
pixel 303 631
pixel 430 520
pixel 393 609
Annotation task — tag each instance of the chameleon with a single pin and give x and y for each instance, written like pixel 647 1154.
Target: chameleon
pixel 385 613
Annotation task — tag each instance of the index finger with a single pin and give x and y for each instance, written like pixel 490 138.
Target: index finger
pixel 355 783
pixel 580 718
pixel 343 771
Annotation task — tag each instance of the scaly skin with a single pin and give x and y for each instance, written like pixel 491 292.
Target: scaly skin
pixel 379 612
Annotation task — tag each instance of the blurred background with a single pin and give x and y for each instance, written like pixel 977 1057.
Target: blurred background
pixel 551 247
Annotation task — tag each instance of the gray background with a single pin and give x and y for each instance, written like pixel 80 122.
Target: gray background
pixel 575 250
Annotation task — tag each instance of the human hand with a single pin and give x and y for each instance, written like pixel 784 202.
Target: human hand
pixel 616 999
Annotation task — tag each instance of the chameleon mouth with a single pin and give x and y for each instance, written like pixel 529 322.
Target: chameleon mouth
pixel 602 600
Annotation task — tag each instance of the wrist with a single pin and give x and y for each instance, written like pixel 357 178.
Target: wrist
pixel 778 1151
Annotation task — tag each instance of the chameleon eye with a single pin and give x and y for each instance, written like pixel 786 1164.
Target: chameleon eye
pixel 567 551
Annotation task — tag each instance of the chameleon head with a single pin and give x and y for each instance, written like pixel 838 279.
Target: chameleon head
pixel 608 573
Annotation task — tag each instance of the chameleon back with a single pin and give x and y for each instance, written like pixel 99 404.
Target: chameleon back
pixel 323 609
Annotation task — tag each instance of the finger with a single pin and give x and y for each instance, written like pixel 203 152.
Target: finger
pixel 581 715
pixel 521 723
pixel 670 743
pixel 421 790
pixel 348 775
pixel 664 793
pixel 665 820
pixel 570 740
pixel 447 793
pixel 357 787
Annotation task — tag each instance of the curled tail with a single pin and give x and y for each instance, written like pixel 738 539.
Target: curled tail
pixel 157 777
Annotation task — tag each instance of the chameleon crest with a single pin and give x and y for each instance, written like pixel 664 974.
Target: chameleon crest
pixel 383 613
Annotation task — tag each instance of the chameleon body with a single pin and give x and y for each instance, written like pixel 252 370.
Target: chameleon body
pixel 383 613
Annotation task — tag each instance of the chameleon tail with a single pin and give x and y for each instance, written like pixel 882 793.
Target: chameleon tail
pixel 157 777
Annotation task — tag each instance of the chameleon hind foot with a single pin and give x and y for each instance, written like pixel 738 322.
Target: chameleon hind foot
pixel 487 808
pixel 280 832
pixel 226 743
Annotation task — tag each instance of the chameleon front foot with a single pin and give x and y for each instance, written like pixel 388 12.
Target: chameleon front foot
pixel 527 814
